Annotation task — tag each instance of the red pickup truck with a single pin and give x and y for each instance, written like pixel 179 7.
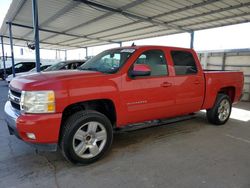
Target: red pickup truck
pixel 77 111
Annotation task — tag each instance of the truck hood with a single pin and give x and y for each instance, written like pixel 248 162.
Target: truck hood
pixel 45 79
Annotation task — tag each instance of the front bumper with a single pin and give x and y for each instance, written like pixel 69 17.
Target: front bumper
pixel 46 127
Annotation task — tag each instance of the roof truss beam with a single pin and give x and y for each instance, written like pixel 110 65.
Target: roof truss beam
pixel 62 33
pixel 23 39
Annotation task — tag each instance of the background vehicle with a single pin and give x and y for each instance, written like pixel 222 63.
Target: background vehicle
pixel 19 67
pixel 78 110
pixel 42 67
pixel 65 65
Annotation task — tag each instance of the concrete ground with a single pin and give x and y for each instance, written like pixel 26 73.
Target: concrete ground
pixel 188 154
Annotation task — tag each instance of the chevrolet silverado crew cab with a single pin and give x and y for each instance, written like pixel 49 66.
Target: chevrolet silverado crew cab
pixel 78 111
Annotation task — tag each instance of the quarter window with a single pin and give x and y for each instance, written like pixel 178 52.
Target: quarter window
pixel 155 59
pixel 184 63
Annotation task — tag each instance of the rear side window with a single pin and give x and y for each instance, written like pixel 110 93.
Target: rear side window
pixel 184 63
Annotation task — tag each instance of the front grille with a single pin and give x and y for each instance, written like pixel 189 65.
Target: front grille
pixel 16 93
pixel 14 97
pixel 15 105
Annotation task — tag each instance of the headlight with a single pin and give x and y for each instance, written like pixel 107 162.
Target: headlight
pixel 38 101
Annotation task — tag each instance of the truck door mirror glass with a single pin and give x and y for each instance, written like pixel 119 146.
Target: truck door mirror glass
pixel 140 70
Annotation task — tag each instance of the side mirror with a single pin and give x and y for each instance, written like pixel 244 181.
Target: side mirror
pixel 140 70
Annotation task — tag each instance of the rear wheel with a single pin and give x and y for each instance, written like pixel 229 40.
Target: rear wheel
pixel 221 110
pixel 86 137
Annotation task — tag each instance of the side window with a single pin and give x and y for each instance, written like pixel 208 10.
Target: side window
pixel 27 66
pixel 184 63
pixel 73 65
pixel 65 67
pixel 18 66
pixel 155 59
pixel 79 64
pixel 32 65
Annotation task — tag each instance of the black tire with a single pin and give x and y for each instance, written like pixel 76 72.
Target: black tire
pixel 213 114
pixel 73 124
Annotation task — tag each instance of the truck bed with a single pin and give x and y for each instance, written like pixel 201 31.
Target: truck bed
pixel 218 81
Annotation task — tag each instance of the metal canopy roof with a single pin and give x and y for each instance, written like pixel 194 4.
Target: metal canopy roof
pixel 68 24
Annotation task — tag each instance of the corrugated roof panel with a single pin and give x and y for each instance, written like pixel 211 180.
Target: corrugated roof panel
pixel 91 43
pixel 115 4
pixel 236 11
pixel 43 35
pixel 75 17
pixel 73 41
pixel 136 32
pixel 111 21
pixel 122 29
pixel 231 2
pixel 48 8
pixel 246 17
pixel 19 32
pixel 59 38
pixel 212 24
pixel 245 9
pixel 25 14
pixel 152 8
pixel 149 35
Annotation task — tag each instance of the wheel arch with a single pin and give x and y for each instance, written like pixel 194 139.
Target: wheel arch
pixel 229 91
pixel 104 106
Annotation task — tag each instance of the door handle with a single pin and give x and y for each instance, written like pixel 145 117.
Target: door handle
pixel 196 82
pixel 166 84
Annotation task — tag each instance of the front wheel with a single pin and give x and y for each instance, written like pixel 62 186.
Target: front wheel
pixel 221 110
pixel 86 137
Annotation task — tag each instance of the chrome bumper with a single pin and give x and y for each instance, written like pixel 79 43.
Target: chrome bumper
pixel 11 116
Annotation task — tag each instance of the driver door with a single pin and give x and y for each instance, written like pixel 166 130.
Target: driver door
pixel 149 97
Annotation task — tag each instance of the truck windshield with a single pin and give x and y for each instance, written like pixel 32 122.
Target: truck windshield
pixel 108 61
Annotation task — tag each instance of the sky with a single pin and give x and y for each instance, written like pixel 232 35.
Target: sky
pixel 228 37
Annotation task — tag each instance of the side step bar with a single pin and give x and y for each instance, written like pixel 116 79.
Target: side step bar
pixel 153 123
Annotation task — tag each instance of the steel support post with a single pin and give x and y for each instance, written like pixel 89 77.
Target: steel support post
pixel 86 52
pixel 223 61
pixel 36 33
pixel 65 55
pixel 192 40
pixel 11 49
pixel 3 58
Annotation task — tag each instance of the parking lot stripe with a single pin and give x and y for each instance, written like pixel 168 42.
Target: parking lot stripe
pixel 238 138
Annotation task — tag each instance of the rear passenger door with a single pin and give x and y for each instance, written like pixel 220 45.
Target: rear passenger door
pixel 189 82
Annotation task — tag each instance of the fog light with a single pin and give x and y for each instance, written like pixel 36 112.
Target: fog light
pixel 31 136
